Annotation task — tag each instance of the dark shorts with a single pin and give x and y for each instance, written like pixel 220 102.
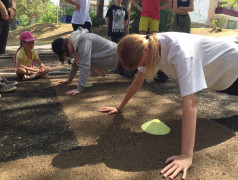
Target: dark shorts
pixel 86 25
pixel 182 23
pixel 233 89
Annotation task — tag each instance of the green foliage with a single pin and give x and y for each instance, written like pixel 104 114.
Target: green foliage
pixel 166 20
pixel 218 24
pixel 96 21
pixel 135 19
pixel 51 16
pixel 230 3
pixel 66 11
pixel 110 3
pixel 28 9
pixel 23 20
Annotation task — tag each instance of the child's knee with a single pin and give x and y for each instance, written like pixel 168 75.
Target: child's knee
pixel 20 71
pixel 47 69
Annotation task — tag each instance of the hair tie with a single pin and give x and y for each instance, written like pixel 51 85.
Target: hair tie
pixel 147 36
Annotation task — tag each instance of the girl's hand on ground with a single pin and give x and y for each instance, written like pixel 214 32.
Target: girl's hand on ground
pixel 64 82
pixel 177 164
pixel 109 110
pixel 72 92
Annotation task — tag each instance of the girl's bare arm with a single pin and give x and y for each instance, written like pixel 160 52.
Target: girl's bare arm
pixel 134 87
pixel 184 161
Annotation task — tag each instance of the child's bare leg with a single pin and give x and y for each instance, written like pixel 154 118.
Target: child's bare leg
pixel 47 69
pixel 20 72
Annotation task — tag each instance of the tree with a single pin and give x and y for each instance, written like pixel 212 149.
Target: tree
pixel 230 3
pixel 27 8
pixel 99 9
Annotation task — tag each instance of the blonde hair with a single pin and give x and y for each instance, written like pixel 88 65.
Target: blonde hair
pixel 130 51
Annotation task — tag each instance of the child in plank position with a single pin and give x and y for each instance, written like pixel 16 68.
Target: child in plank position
pixel 197 62
pixel 24 59
pixel 92 52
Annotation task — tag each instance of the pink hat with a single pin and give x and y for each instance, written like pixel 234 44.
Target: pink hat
pixel 26 36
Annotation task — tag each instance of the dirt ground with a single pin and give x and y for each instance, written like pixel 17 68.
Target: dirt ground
pixel 45 134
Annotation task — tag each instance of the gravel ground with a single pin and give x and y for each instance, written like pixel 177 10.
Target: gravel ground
pixel 218 106
pixel 32 122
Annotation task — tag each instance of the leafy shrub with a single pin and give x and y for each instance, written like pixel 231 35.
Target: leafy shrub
pixel 96 21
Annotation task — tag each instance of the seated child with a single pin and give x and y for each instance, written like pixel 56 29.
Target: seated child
pixel 24 59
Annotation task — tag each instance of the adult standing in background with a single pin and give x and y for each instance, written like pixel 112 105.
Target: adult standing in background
pixel 8 11
pixel 182 21
pixel 81 16
pixel 150 14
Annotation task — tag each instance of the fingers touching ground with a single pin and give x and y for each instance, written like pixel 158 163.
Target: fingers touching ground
pixel 176 165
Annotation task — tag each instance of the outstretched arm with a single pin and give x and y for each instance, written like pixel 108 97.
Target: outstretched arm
pixel 107 21
pixel 184 161
pixel 134 87
pixel 136 5
pixel 77 6
pixel 12 10
pixel 188 9
pixel 3 11
pixel 177 10
pixel 165 6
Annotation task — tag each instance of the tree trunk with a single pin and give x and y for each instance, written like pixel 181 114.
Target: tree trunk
pixel 99 9
pixel 127 5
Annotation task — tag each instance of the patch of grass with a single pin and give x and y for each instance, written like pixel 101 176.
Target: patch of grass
pixel 43 33
pixel 47 32
pixel 210 32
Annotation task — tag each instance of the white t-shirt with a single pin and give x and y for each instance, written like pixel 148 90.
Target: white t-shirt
pixel 198 62
pixel 81 16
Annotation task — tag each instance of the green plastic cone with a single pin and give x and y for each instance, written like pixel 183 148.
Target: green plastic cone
pixel 88 84
pixel 155 127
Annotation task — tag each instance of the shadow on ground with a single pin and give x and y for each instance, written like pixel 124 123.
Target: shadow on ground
pixel 121 149
pixel 32 122
pixel 120 144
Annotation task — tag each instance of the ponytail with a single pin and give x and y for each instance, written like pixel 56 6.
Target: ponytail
pixel 15 55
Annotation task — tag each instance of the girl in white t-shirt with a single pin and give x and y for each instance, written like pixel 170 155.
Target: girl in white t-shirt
pixel 197 62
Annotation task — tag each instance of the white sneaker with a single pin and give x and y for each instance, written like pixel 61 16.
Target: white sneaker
pixel 26 77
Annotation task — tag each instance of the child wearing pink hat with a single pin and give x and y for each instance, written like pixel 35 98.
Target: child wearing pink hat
pixel 24 59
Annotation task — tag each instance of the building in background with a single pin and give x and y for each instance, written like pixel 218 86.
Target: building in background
pixel 206 11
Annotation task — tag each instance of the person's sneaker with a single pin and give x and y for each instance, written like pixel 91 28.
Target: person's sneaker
pixel 14 83
pixel 7 88
pixel 123 72
pixel 161 77
pixel 26 77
